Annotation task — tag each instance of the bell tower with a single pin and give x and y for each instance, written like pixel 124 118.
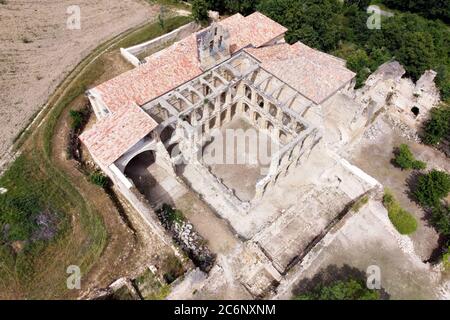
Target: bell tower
pixel 213 46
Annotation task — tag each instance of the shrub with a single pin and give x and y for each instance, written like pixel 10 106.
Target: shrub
pixel 438 126
pixel 173 268
pixel 99 179
pixel 173 215
pixel 200 10
pixel 405 159
pixel 432 187
pixel 440 218
pixel 402 220
pixel 77 119
pixel 341 290
pixel 446 259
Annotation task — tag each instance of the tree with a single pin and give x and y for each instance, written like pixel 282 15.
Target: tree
pixel 405 159
pixel 358 61
pixel 242 6
pixel 416 53
pixel 361 4
pixel 428 8
pixel 200 10
pixel 440 219
pixel 438 126
pixel 341 290
pixel 432 187
pixel 320 16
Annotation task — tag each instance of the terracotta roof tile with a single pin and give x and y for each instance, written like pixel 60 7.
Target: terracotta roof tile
pixel 314 74
pixel 161 72
pixel 112 136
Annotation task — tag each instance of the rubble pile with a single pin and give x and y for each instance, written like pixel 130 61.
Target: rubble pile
pixel 186 237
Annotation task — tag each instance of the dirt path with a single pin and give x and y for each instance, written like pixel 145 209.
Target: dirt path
pixel 37 50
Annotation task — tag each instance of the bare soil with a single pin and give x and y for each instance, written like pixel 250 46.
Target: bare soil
pixel 37 50
pixel 374 157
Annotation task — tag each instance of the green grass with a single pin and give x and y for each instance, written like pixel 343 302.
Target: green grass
pixel 446 260
pixel 360 203
pixel 403 221
pixel 38 269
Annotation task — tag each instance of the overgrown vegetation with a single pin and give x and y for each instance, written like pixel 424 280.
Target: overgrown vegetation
pixel 446 259
pixel 438 126
pixel 403 221
pixel 340 28
pixel 173 269
pixel 440 219
pixel 99 179
pixel 432 187
pixel 434 9
pixel 77 119
pixel 405 159
pixel 36 184
pixel 360 203
pixel 200 11
pixel 350 289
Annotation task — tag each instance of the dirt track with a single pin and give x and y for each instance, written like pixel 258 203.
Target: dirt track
pixel 37 50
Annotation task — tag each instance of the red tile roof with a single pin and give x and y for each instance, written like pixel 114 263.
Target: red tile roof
pixel 162 72
pixel 314 74
pixel 177 64
pixel 112 136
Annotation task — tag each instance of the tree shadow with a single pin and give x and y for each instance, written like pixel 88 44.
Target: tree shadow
pixel 411 183
pixel 395 153
pixel 330 275
pixel 441 248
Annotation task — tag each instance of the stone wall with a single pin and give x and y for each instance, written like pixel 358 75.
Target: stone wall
pixel 131 54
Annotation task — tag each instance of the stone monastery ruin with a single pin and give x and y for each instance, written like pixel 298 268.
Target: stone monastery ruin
pixel 237 70
pixel 159 125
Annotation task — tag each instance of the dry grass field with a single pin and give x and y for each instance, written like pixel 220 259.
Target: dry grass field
pixel 37 50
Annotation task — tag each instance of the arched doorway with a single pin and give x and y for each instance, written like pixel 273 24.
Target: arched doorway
pixel 166 134
pixel 147 176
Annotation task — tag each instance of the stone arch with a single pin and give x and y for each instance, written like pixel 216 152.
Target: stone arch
pixel 195 97
pixel 174 150
pixel 257 118
pixel 247 109
pixel 144 158
pixel 212 122
pixel 223 116
pixel 283 137
pixel 166 134
pixel 198 114
pixel 269 126
pixel 228 75
pixel 273 110
pixel 299 127
pixel 210 107
pixel 206 90
pixel 260 101
pixel 223 97
pixel 248 92
pixel 233 110
pixel 286 119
